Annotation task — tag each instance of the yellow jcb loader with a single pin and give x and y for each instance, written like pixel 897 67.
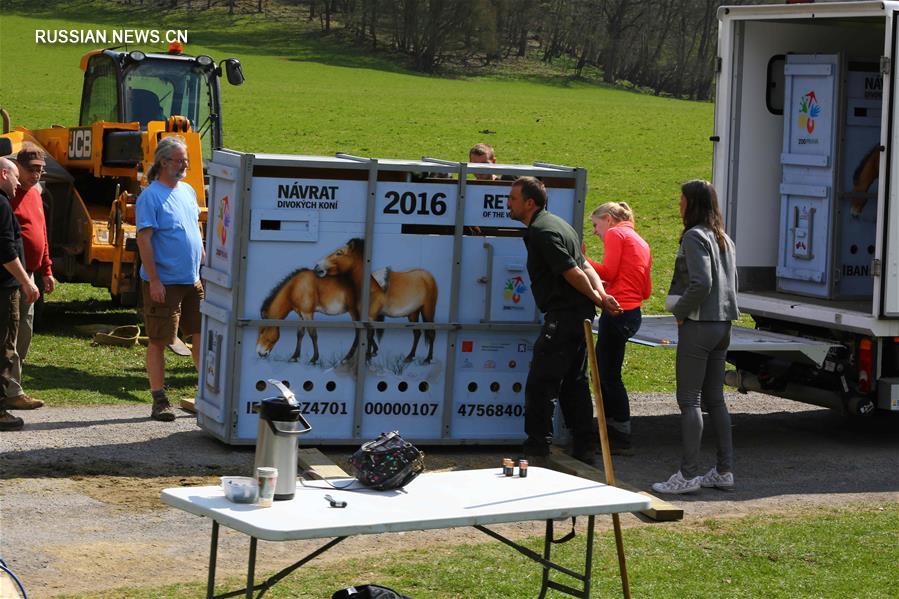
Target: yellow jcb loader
pixel 95 171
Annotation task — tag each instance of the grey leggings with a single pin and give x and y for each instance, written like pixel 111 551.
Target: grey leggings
pixel 701 348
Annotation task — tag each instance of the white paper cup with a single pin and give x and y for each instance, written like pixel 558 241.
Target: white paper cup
pixel 267 478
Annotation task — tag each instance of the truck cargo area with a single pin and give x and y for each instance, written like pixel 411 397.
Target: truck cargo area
pixel 800 117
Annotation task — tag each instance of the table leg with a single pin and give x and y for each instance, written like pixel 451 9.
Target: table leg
pixel 588 567
pixel 251 568
pixel 213 555
pixel 547 547
pixel 547 563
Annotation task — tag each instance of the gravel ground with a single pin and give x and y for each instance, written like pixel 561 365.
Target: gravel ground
pixel 80 486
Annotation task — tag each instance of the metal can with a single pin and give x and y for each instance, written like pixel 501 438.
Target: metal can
pixel 523 468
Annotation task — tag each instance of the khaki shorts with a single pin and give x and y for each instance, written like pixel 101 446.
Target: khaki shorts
pixel 181 306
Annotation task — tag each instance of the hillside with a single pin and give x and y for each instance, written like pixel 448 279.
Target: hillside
pixel 305 94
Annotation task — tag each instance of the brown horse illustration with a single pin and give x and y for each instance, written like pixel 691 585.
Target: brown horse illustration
pixel 305 293
pixel 409 293
pixel 867 171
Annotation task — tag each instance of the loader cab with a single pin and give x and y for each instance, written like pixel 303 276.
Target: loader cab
pixel 133 86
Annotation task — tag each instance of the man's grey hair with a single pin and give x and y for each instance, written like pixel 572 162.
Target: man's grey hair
pixel 164 150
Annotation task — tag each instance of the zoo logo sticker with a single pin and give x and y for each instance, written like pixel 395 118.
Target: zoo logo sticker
pixel 809 110
pixel 513 289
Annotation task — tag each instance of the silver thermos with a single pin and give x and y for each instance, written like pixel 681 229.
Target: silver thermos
pixel 280 425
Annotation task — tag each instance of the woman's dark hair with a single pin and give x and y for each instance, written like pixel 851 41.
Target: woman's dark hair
pixel 702 209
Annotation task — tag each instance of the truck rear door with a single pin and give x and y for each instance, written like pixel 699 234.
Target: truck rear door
pixel 889 212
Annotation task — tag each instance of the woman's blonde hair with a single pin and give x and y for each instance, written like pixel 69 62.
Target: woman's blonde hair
pixel 619 211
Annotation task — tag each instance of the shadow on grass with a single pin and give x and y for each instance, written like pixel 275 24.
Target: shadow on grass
pixel 65 316
pixel 125 387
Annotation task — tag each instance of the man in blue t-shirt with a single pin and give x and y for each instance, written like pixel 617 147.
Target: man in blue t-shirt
pixel 171 251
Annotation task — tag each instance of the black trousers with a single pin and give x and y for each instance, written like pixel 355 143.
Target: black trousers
pixel 559 371
pixel 614 331
pixel 9 329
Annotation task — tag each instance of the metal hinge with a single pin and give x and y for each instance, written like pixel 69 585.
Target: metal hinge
pixel 875 267
pixel 718 64
pixel 884 65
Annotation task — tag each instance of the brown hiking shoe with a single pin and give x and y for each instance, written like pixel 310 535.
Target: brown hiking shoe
pixel 162 410
pixel 8 422
pixel 22 402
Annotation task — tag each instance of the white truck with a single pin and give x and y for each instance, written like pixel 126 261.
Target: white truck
pixel 807 176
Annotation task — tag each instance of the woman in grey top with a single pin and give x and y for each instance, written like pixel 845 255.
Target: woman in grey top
pixel 703 299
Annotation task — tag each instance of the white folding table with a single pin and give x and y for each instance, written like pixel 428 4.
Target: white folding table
pixel 433 500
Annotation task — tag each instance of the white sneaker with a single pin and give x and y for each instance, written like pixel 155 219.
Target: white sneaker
pixel 719 481
pixel 677 484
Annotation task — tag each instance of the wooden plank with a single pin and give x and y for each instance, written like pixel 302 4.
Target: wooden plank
pixel 659 509
pixel 188 405
pixel 310 458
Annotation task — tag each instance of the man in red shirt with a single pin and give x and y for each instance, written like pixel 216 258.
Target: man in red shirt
pixel 28 207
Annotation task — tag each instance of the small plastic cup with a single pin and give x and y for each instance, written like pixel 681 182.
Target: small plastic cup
pixel 267 478
pixel 240 489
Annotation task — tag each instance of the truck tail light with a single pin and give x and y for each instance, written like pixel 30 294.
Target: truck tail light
pixel 865 365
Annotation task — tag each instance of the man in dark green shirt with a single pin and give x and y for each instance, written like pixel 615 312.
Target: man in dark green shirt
pixel 567 290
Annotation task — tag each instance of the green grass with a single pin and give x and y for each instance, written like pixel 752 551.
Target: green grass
pixel 845 553
pixel 305 94
pixel 64 369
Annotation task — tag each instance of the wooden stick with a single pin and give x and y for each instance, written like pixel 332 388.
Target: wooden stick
pixel 606 453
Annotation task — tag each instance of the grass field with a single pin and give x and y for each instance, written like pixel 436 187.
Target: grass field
pixel 839 553
pixel 305 94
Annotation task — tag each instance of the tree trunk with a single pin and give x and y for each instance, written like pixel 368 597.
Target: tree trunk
pixel 373 25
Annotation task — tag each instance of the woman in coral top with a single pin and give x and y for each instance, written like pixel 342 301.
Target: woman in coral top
pixel 625 271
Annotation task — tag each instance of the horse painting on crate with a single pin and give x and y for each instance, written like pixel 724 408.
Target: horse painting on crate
pixel 395 294
pixel 305 293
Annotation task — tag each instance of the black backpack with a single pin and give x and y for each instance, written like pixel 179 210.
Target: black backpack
pixel 368 591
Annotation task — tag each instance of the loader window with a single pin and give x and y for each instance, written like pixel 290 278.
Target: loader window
pixel 157 89
pixel 100 101
pixel 147 99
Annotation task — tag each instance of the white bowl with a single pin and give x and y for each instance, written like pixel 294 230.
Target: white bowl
pixel 240 489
